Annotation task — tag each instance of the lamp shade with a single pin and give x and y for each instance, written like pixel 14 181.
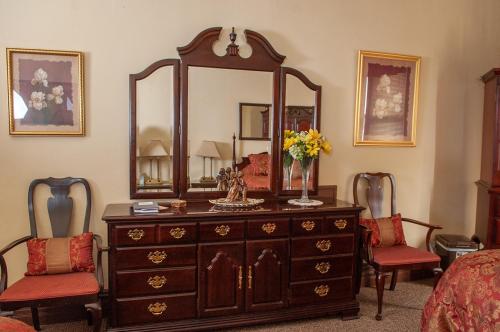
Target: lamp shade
pixel 154 148
pixel 208 149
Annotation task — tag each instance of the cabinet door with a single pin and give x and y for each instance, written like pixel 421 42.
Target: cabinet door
pixel 267 274
pixel 220 278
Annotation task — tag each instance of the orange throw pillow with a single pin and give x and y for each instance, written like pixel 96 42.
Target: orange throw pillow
pixel 386 232
pixel 60 255
pixel 260 163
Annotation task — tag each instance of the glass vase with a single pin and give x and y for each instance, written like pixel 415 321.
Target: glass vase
pixel 288 177
pixel 305 166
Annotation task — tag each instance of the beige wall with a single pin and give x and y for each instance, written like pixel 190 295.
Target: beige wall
pixel 457 40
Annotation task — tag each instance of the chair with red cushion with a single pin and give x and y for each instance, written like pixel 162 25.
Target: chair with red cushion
pixel 390 259
pixel 76 288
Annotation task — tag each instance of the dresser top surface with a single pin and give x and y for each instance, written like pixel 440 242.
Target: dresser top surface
pixel 124 212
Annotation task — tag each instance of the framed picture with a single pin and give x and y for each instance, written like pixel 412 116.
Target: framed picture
pixel 386 99
pixel 46 94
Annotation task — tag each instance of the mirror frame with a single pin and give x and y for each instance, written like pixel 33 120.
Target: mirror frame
pixel 244 138
pixel 199 53
pixel 317 117
pixel 133 78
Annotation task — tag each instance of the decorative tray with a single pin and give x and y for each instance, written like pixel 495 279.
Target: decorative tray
pixel 223 202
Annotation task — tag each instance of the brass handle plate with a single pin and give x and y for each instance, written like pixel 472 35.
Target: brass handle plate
pixel 222 230
pixel 157 308
pixel 157 281
pixel 157 257
pixel 308 225
pixel 269 228
pixel 322 267
pixel 324 245
pixel 136 234
pixel 178 232
pixel 240 277
pixel 340 223
pixel 322 290
pixel 249 276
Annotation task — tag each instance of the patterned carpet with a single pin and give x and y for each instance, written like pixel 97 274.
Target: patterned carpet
pixel 402 311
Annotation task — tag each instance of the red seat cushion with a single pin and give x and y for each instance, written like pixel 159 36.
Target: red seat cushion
pixel 51 286
pixel 12 325
pixel 403 254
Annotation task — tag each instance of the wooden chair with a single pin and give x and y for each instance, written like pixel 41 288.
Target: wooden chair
pixel 399 257
pixel 78 288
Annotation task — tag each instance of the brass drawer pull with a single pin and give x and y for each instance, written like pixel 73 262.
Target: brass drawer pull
pixel 324 245
pixel 157 257
pixel 308 225
pixel 269 228
pixel 240 277
pixel 135 234
pixel 322 267
pixel 222 230
pixel 157 308
pixel 322 290
pixel 249 277
pixel 157 281
pixel 340 223
pixel 178 232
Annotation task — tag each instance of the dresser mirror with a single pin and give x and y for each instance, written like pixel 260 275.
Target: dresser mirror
pixel 154 142
pixel 301 107
pixel 255 122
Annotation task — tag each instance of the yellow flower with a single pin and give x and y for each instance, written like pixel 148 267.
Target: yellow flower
pixel 326 146
pixel 313 135
pixel 289 133
pixel 288 143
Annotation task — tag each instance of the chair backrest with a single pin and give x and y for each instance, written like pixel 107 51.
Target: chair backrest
pixel 375 192
pixel 60 205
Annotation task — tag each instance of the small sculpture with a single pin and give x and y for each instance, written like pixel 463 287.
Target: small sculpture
pixel 233 181
pixel 222 180
pixel 242 186
pixel 234 192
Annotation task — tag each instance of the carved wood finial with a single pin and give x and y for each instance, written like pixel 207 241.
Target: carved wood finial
pixel 232 49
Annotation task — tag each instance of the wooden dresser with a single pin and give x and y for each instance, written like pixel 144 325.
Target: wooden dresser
pixel 198 269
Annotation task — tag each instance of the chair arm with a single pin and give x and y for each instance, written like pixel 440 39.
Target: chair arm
pixel 100 250
pixel 3 264
pixel 366 244
pixel 430 227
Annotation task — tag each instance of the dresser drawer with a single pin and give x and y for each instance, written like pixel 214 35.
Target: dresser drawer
pixel 306 225
pixel 155 309
pixel 321 268
pixel 155 256
pixel 222 231
pixel 267 228
pixel 178 233
pixel 159 281
pixel 134 234
pixel 322 245
pixel 341 224
pixel 320 291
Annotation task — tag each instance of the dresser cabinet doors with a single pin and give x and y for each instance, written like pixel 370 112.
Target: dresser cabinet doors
pixel 267 274
pixel 221 278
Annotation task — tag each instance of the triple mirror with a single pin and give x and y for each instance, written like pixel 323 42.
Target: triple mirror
pixel 195 118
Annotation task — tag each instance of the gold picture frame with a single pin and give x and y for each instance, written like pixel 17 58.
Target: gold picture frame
pixel 45 92
pixel 386 99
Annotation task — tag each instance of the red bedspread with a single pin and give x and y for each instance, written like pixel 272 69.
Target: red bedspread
pixel 467 297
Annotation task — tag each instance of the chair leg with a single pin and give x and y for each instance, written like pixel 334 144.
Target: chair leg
pixel 394 279
pixel 380 278
pixel 35 318
pixel 438 272
pixel 96 311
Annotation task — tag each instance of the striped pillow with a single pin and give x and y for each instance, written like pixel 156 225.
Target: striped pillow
pixel 386 232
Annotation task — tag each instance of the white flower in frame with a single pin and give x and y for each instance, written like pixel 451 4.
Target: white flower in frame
pixel 40 77
pixel 37 100
pixel 57 93
pixel 380 108
pixel 384 84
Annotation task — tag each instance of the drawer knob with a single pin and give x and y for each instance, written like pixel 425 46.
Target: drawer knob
pixel 340 223
pixel 324 245
pixel 157 281
pixel 157 257
pixel 222 230
pixel 157 308
pixel 269 228
pixel 177 232
pixel 135 234
pixel 322 290
pixel 322 267
pixel 308 225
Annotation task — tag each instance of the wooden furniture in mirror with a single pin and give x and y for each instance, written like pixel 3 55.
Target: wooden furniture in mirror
pixel 154 134
pixel 300 111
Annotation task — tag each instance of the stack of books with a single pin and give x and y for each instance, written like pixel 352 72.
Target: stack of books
pixel 146 207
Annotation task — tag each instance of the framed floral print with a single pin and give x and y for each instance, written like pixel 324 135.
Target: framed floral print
pixel 46 92
pixel 386 99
